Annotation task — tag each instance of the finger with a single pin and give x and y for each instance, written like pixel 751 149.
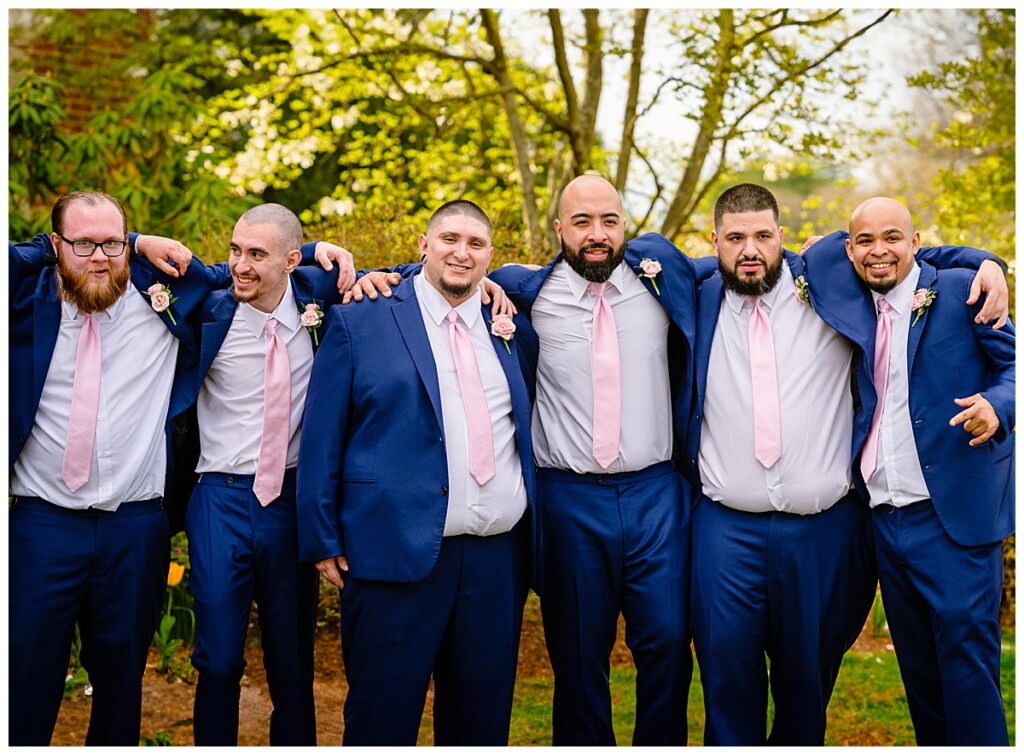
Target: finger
pixel 357 292
pixel 394 279
pixel 961 417
pixel 968 401
pixel 347 297
pixel 342 563
pixel 1000 322
pixel 484 298
pixel 345 281
pixel 166 267
pixel 975 291
pixel 985 437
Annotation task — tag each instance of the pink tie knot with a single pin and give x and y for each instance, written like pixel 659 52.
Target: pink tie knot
pixel 597 289
pixel 884 307
pixel 452 317
pixel 270 327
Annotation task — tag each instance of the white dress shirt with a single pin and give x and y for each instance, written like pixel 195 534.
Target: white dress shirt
pixel 563 417
pixel 816 404
pixel 130 452
pixel 898 479
pixel 230 406
pixel 473 509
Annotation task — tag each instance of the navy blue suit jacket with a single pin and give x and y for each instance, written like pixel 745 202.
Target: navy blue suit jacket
pixel 373 473
pixel 948 356
pixel 675 294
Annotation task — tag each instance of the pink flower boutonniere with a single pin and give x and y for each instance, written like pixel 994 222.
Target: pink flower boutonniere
pixel 922 299
pixel 803 293
pixel 502 327
pixel 160 298
pixel 312 318
pixel 649 269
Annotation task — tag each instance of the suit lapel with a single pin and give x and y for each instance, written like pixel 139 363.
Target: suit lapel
pixel 410 324
pixel 711 292
pixel 46 326
pixel 926 281
pixel 215 331
pixel 303 294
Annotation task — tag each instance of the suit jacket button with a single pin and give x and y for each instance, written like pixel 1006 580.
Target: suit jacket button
pixel 444 490
pixel 440 440
pixel 21 441
pixel 230 479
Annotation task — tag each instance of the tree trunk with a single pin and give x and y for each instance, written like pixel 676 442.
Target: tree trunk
pixel 629 114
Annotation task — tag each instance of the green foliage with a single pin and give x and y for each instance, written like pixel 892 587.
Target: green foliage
pixel 34 113
pixel 166 647
pixel 160 739
pixel 975 197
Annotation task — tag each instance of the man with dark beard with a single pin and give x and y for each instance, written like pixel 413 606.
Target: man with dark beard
pixel 615 324
pixel 93 345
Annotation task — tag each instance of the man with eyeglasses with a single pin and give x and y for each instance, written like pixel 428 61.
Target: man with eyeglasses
pixel 93 349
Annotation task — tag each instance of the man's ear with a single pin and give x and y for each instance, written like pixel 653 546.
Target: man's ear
pixel 292 260
pixel 714 241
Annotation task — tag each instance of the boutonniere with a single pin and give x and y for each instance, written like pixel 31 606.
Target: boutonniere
pixel 161 298
pixel 649 269
pixel 502 327
pixel 923 299
pixel 312 317
pixel 803 293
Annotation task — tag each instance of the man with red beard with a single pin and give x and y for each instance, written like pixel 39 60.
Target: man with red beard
pixel 93 346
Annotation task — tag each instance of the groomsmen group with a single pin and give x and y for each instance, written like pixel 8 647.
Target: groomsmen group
pixel 727 450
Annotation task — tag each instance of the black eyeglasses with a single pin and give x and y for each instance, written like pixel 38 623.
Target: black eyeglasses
pixel 84 248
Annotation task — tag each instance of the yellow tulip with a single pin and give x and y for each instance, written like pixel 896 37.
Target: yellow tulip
pixel 174 574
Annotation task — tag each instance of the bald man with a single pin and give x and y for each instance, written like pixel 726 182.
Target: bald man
pixel 616 325
pixel 937 467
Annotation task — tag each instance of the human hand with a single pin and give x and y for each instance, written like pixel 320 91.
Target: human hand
pixel 332 568
pixel 979 418
pixel 167 255
pixel 370 284
pixel 991 281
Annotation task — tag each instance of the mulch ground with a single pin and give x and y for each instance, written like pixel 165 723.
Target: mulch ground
pixel 167 705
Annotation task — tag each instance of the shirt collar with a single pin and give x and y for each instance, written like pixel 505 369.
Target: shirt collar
pixel 437 307
pixel 69 311
pixel 786 285
pixel 900 295
pixel 578 285
pixel 286 314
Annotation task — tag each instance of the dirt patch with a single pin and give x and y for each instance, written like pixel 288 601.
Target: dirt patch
pixel 167 706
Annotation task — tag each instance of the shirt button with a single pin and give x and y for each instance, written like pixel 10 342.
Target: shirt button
pixel 444 490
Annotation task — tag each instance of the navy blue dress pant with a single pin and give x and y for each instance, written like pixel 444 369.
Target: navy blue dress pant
pixel 239 552
pixel 942 604
pixel 797 588
pixel 460 624
pixel 107 571
pixel 609 544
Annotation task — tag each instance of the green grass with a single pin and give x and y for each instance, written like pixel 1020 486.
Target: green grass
pixel 868 707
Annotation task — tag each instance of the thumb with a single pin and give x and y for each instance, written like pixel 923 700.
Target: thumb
pixel 969 401
pixel 975 290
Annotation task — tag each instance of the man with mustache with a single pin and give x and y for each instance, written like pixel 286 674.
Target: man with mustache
pixel 615 324
pixel 941 502
pixel 93 345
pixel 782 562
pixel 433 568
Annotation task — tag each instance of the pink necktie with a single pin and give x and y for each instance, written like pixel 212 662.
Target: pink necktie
pixel 883 337
pixel 604 355
pixel 85 405
pixel 277 409
pixel 478 416
pixel 765 380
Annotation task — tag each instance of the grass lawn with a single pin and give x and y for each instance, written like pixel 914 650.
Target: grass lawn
pixel 868 706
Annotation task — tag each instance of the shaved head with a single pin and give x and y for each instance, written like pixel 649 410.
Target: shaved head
pixel 581 183
pixel 892 207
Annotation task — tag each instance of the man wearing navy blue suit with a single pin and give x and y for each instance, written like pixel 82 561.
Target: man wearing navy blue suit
pixel 242 534
pixel 941 502
pixel 433 567
pixel 613 514
pixel 89 540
